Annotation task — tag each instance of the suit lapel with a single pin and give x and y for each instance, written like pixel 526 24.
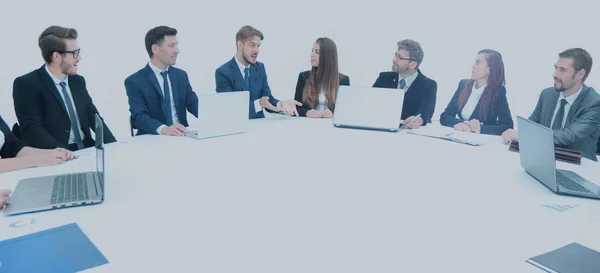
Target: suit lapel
pixel 394 82
pixel 50 87
pixel 237 75
pixel 549 111
pixel 152 78
pixel 174 87
pixel 80 104
pixel 577 104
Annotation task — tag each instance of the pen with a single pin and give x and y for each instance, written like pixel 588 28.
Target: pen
pixel 413 119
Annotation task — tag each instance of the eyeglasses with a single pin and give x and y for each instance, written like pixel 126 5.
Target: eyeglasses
pixel 402 58
pixel 75 52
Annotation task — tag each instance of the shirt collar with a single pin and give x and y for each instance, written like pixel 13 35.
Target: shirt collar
pixel 410 79
pixel 240 65
pixel 54 78
pixel 571 99
pixel 156 69
pixel 479 90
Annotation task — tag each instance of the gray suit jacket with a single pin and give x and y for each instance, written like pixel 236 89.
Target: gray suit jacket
pixel 582 127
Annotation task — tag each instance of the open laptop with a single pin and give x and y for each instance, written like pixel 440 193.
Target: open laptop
pixel 536 149
pixel 64 190
pixel 220 114
pixel 368 108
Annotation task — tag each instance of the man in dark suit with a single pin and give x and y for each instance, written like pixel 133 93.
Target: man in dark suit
pixel 53 106
pixel 570 108
pixel 159 93
pixel 420 92
pixel 244 73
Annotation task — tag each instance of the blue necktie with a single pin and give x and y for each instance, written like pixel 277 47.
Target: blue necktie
pixel 402 84
pixel 168 113
pixel 72 116
pixel 557 124
pixel 247 77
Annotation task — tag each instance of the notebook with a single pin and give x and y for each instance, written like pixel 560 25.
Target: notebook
pixel 61 249
pixel 572 258
pixel 447 133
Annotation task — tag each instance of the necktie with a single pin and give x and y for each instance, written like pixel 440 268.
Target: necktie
pixel 402 84
pixel 557 124
pixel 168 113
pixel 72 116
pixel 247 77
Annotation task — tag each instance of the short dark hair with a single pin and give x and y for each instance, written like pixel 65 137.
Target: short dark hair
pixel 581 60
pixel 157 35
pixel 248 31
pixel 52 40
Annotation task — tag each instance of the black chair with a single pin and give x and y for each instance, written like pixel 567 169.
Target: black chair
pixel 16 131
pixel 132 128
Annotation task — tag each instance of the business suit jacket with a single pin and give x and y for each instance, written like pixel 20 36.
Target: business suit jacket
pixel 147 103
pixel 43 116
pixel 12 145
pixel 419 98
pixel 582 126
pixel 302 78
pixel 498 117
pixel 228 78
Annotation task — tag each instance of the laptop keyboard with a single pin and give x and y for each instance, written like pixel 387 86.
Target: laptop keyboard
pixel 566 183
pixel 70 188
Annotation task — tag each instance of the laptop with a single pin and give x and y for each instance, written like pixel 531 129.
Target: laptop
pixel 61 191
pixel 536 149
pixel 368 108
pixel 220 114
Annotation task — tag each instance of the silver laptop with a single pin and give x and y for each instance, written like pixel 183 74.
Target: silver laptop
pixel 368 108
pixel 220 114
pixel 536 149
pixel 61 191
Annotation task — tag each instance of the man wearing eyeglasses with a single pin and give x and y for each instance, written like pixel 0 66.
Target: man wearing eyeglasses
pixel 420 92
pixel 53 106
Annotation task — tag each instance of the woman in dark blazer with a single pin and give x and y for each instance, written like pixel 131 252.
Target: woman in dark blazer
pixel 317 88
pixel 14 155
pixel 479 104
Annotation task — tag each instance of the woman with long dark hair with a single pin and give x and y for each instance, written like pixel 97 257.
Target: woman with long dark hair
pixel 479 104
pixel 317 88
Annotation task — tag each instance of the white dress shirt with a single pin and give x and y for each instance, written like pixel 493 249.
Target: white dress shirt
pixel 469 107
pixel 1 140
pixel 570 101
pixel 257 106
pixel 59 89
pixel 161 81
pixel 408 81
pixel 322 106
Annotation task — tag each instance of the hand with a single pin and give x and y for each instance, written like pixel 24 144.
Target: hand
pixel 313 114
pixel 412 123
pixel 475 126
pixel 63 154
pixel 4 197
pixel 264 102
pixel 289 107
pixel 510 135
pixel 45 159
pixel 463 127
pixel 327 114
pixel 174 130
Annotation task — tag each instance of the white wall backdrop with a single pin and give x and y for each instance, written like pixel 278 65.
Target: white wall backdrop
pixel 529 35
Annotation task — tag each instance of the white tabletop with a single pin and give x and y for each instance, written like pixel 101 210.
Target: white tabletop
pixel 299 195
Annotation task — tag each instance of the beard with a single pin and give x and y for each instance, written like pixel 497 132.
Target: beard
pixel 66 68
pixel 246 58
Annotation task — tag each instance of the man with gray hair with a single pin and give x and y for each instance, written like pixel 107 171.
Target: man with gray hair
pixel 420 92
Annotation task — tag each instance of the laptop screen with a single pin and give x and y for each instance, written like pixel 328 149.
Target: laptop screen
pixel 99 131
pixel 536 150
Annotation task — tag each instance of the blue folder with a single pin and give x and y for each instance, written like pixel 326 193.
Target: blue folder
pixel 61 249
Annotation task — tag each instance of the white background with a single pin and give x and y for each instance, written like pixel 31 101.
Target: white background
pixel 529 35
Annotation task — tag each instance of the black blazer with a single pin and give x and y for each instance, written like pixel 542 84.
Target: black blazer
pixel 12 145
pixel 302 77
pixel 498 118
pixel 43 116
pixel 419 98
